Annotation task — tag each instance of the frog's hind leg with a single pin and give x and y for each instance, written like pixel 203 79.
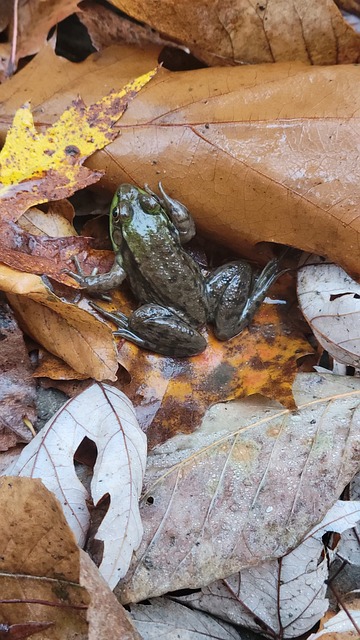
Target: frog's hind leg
pixel 235 295
pixel 158 329
pixel 161 330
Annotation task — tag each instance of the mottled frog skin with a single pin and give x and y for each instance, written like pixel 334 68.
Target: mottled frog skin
pixel 147 234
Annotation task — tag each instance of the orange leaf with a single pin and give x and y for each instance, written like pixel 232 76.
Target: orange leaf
pixel 171 395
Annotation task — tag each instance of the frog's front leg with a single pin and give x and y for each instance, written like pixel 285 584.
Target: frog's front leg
pixel 179 215
pixel 235 295
pixel 99 283
pixel 158 329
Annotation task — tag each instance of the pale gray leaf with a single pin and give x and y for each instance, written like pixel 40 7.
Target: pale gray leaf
pixel 246 487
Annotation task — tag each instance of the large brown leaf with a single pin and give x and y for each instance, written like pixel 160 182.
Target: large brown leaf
pixel 240 32
pixel 257 153
pixel 40 567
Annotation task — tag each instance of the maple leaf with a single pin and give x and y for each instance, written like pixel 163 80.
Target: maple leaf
pixel 37 167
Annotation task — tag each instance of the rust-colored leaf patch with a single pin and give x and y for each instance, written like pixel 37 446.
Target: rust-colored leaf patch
pixel 171 395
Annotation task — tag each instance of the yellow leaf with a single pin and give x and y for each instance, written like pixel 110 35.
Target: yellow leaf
pixel 37 167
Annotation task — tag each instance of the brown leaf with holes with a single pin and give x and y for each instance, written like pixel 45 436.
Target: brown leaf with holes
pixel 17 387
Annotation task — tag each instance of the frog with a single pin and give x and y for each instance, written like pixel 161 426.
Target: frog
pixel 148 233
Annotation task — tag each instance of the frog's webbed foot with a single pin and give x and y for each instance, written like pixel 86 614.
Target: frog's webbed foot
pixel 158 329
pixel 177 212
pixel 235 295
pixel 96 284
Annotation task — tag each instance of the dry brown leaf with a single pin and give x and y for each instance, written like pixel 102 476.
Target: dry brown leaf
pixel 256 153
pixel 352 6
pixel 55 223
pixel 106 617
pixel 106 27
pixel 34 21
pixel 240 32
pixel 41 541
pixel 17 388
pixel 39 563
pixel 66 330
pixel 49 366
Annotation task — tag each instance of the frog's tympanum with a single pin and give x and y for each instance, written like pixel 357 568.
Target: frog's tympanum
pixel 147 234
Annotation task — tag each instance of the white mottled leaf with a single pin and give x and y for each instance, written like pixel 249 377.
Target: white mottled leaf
pixel 330 302
pixel 284 597
pixel 163 618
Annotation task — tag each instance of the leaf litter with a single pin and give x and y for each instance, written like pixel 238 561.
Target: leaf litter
pixel 256 471
pixel 330 302
pixel 280 598
pixel 40 564
pixel 105 416
pixel 152 496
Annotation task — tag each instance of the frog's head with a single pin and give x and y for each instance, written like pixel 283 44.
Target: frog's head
pixel 127 201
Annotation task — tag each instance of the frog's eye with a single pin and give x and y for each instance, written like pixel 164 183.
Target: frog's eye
pixel 148 203
pixel 121 212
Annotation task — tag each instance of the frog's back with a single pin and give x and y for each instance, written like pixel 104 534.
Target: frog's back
pixel 160 271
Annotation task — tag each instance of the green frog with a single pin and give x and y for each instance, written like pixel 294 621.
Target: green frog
pixel 148 233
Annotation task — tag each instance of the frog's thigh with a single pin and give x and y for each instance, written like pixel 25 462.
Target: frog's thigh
pixel 228 290
pixel 164 332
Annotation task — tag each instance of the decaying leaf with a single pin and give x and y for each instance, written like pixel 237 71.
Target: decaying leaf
pixel 245 487
pixel 106 416
pixel 262 145
pixel 65 329
pixel 17 388
pixel 284 597
pixel 330 302
pixel 105 27
pixel 39 578
pixel 163 618
pixel 171 395
pixel 241 32
pixel 38 167
pixel 105 615
pixel 34 19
